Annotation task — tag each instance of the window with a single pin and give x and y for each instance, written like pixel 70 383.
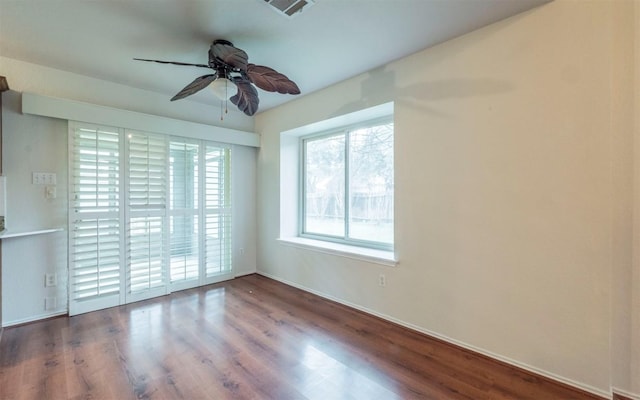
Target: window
pixel 347 185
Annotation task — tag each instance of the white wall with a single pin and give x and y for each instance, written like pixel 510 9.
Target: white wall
pixel 33 144
pixel 506 177
pixel 243 200
pixel 622 127
pixel 634 312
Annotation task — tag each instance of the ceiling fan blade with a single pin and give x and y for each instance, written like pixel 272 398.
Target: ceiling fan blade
pixel 271 80
pixel 247 97
pixel 223 51
pixel 173 62
pixel 197 85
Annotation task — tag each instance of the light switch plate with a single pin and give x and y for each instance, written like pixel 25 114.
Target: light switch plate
pixel 43 178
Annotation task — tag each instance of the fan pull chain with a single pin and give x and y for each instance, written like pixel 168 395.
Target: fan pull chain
pixel 226 101
pixel 226 96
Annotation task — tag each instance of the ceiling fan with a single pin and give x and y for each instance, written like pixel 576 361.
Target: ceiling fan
pixel 231 68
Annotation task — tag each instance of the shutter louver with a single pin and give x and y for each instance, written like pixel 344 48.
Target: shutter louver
pixel 95 170
pixel 145 253
pixel 147 172
pixel 184 248
pixel 96 253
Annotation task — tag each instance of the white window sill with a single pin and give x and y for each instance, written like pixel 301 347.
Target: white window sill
pixel 381 257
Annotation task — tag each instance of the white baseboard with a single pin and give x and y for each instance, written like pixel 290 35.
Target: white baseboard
pixel 33 318
pixel 526 367
pixel 245 273
pixel 624 393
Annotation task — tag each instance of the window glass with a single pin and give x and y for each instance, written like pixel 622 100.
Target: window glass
pixel 348 185
pixel 371 184
pixel 324 183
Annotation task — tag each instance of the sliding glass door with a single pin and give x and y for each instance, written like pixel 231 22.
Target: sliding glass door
pixel 150 214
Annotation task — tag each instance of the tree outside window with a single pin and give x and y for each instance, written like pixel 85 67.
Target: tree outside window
pixel 348 185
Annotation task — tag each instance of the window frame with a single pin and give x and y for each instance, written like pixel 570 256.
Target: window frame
pixel 345 131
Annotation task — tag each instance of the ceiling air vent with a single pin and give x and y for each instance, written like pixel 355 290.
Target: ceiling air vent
pixel 289 8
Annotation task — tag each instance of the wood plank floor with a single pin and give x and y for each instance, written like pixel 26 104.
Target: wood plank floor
pixel 249 338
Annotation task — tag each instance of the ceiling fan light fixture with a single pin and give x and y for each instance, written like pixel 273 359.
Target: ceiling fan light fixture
pixel 223 88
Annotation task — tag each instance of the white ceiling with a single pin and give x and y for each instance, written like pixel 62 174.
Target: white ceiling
pixel 326 43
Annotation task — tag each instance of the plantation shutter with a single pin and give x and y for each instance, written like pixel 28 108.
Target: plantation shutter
pixel 217 212
pixel 146 215
pixel 184 200
pixel 94 218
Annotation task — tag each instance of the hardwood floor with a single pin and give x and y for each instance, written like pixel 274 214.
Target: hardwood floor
pixel 249 338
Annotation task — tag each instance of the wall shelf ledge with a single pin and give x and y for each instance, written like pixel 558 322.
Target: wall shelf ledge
pixel 6 234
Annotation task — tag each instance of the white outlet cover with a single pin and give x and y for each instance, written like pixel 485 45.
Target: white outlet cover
pixel 50 279
pixel 50 303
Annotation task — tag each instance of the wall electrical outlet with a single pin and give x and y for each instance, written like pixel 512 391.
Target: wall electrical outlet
pixel 382 280
pixel 50 303
pixel 50 279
